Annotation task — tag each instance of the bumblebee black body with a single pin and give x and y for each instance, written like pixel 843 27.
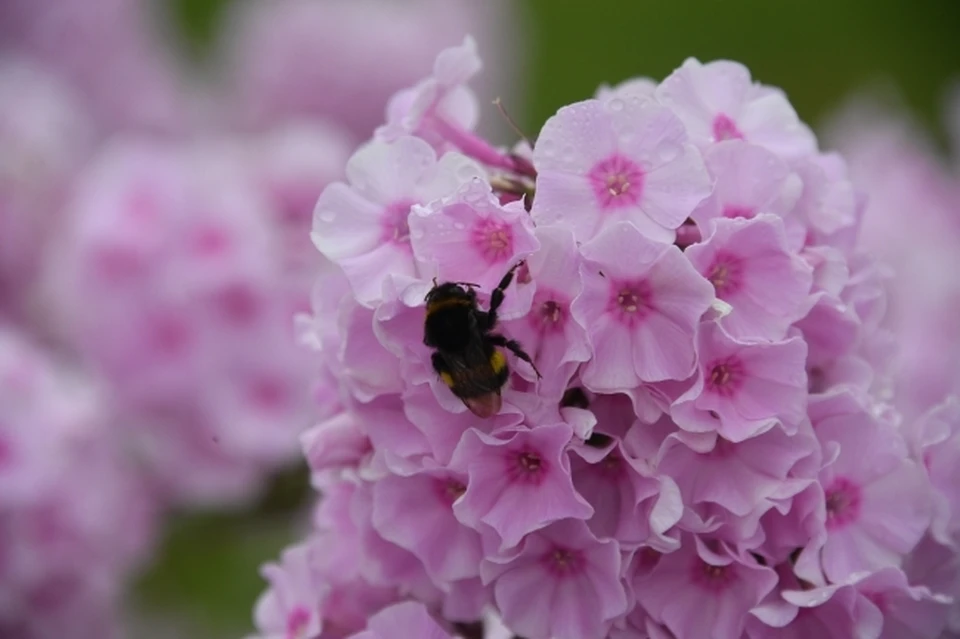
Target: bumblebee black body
pixel 466 355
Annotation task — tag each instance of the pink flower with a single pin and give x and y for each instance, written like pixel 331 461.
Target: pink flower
pixel 555 339
pixel 740 477
pixel 877 509
pixel 642 302
pixel 562 584
pixel 406 620
pixel 749 180
pixel 744 388
pixel 471 237
pixel 632 507
pixel 908 611
pixel 634 87
pixel 600 163
pixel 440 103
pixel 363 226
pixel 718 101
pixel 934 442
pixel 703 591
pixel 291 608
pixel 519 484
pixel 416 513
pixel 751 269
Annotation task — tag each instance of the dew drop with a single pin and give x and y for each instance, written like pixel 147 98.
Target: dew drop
pixel 327 216
pixel 668 152
pixel 616 104
pixel 547 147
pixel 466 172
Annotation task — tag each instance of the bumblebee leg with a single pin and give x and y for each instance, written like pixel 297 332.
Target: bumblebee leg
pixel 496 297
pixel 514 347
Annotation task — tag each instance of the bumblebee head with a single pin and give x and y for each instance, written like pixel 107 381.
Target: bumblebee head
pixel 449 294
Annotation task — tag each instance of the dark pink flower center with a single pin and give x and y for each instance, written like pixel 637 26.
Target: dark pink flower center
pixel 816 380
pixel 548 315
pixel 879 599
pixel 211 241
pixel 169 335
pixel 712 578
pixel 396 228
pixel 493 239
pixel 724 377
pixel 294 203
pixel 449 490
pixel 733 211
pixel 297 621
pixel 688 233
pixel 630 302
pixel 647 559
pixel 564 562
pixel 268 394
pixel 526 467
pixel 617 182
pixel 142 204
pixel 724 128
pixel 612 466
pixel 726 274
pixel 843 499
pixel 239 304
pixel 118 263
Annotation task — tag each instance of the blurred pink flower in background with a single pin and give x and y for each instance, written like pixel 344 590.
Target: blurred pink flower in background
pixel 75 517
pixel 111 52
pixel 343 59
pixel 45 138
pixel 912 224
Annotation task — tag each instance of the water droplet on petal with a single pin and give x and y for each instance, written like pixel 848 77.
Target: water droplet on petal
pixel 616 104
pixel 327 216
pixel 668 152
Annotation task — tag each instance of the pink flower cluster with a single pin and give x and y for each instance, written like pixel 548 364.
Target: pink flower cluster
pixel 712 450
pixel 74 519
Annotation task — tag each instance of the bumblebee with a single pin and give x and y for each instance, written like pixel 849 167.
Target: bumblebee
pixel 465 347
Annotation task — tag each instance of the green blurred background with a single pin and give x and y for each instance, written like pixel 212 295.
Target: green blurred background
pixel 818 51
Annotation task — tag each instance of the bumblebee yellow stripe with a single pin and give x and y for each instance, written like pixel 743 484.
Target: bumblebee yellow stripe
pixel 497 361
pixel 447 379
pixel 446 303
